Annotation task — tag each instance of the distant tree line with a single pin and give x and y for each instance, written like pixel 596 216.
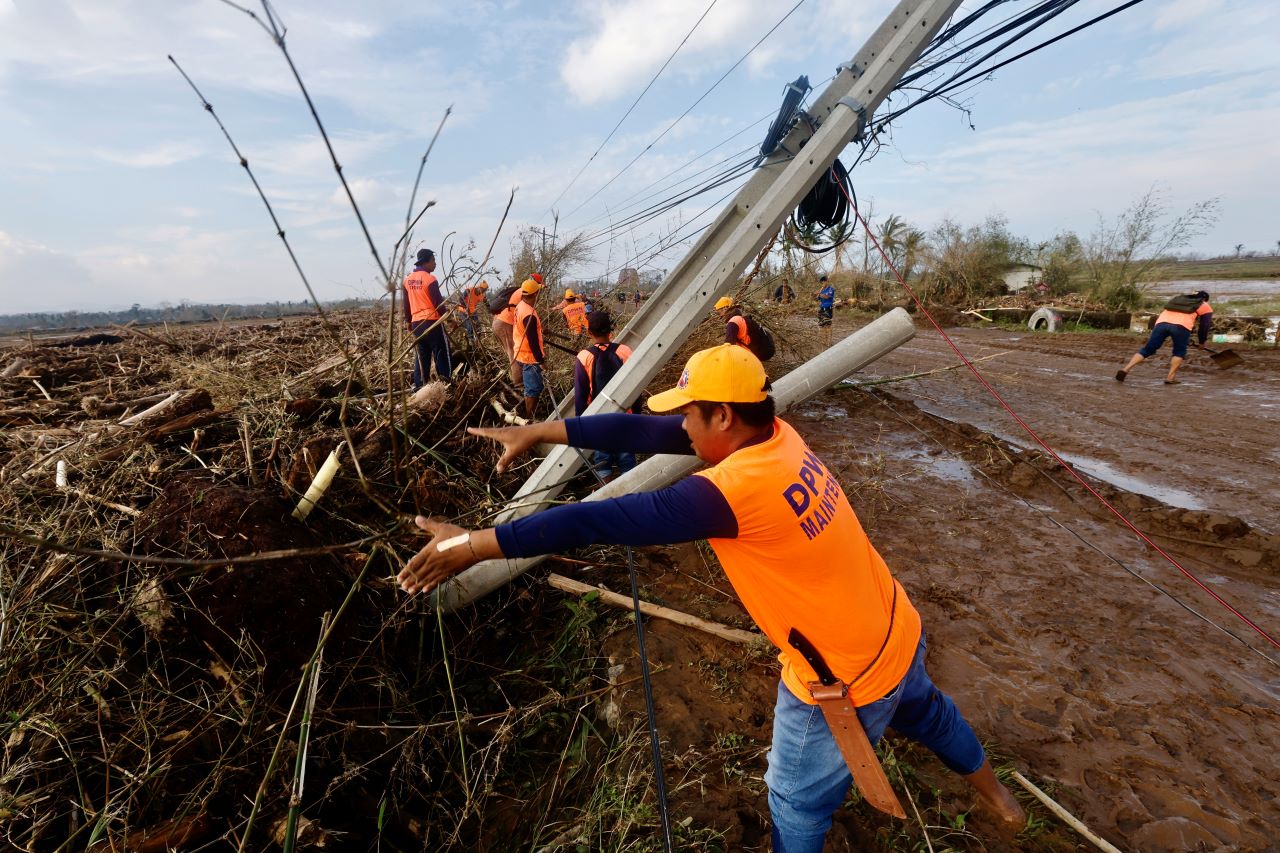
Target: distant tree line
pixel 165 312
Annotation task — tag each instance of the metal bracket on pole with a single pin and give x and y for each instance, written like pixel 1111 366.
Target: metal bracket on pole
pixel 858 110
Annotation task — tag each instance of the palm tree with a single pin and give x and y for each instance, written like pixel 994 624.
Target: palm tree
pixel 1239 249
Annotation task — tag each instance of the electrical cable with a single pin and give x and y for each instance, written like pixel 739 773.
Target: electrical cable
pixel 650 706
pixel 824 208
pixel 634 103
pixel 691 107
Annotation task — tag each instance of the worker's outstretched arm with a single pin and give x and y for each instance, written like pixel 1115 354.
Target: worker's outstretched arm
pixel 614 433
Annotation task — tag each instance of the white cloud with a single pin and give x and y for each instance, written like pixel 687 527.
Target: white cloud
pixel 153 157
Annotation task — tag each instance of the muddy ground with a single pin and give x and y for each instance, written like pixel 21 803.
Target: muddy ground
pixel 1081 657
pixel 1044 619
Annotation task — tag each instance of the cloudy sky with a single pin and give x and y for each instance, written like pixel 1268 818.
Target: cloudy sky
pixel 117 188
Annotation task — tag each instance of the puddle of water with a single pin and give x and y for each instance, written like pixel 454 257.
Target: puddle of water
pixel 945 466
pixel 824 411
pixel 1100 470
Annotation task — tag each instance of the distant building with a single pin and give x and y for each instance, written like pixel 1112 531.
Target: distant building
pixel 1020 276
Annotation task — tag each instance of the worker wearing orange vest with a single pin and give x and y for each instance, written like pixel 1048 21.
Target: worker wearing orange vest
pixel 735 323
pixel 422 311
pixel 793 549
pixel 503 329
pixel 469 302
pixel 526 338
pixel 592 370
pixel 575 313
pixel 1182 315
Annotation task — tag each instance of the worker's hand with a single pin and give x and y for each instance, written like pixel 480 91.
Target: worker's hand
pixel 515 441
pixel 431 567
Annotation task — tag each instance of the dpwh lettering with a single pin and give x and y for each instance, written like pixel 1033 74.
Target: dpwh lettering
pixel 814 505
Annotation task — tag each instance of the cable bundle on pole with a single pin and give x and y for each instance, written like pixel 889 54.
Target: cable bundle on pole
pixel 824 209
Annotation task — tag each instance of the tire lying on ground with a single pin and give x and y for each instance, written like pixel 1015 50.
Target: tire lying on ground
pixel 1046 320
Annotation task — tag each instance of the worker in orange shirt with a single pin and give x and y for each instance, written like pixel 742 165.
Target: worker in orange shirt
pixel 575 313
pixel 469 302
pixel 1181 316
pixel 526 337
pixel 504 329
pixel 423 306
pixel 793 549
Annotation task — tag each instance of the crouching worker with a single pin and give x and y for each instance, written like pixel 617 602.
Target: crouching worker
pixel 796 555
pixel 1182 315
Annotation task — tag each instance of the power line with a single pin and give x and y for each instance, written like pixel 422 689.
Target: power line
pixel 633 105
pixel 691 107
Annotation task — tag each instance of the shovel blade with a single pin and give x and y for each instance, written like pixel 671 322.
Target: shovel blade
pixel 1226 358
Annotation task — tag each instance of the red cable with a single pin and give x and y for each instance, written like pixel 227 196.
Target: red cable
pixel 1037 438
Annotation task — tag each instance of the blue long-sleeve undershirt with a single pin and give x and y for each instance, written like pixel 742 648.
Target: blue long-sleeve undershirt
pixel 689 510
pixel 1206 323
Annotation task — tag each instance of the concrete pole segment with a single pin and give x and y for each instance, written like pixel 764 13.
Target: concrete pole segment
pixel 799 386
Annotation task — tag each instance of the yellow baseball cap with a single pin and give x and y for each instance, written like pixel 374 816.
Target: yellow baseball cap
pixel 724 374
pixel 724 302
pixel 484 285
pixel 530 286
pixel 569 294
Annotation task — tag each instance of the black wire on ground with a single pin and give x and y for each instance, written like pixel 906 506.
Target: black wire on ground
pixel 650 707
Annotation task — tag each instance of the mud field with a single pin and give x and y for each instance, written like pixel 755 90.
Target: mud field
pixel 1154 727
pixel 1082 658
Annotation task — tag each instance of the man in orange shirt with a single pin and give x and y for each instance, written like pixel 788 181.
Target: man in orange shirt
pixel 422 311
pixel 575 313
pixel 793 549
pixel 526 338
pixel 469 302
pixel 1180 317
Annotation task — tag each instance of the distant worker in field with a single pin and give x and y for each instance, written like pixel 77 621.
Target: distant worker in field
pixel 1180 317
pixel 423 306
pixel 575 313
pixel 743 330
pixel 527 339
pixel 592 370
pixel 639 298
pixel 502 305
pixel 794 550
pixel 469 302
pixel 783 294
pixel 826 297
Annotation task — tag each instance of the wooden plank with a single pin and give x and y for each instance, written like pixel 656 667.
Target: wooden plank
pixel 724 632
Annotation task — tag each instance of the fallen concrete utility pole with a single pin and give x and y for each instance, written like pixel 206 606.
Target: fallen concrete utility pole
pixel 799 386
pixel 713 266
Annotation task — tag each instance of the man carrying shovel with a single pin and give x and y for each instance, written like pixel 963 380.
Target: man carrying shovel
pixel 1180 317
pixel 799 560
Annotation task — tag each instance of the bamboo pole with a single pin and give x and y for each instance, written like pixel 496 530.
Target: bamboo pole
pixel 724 632
pixel 1067 817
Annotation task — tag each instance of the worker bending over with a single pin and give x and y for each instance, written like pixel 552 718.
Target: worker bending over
pixel 795 553
pixel 575 313
pixel 1180 317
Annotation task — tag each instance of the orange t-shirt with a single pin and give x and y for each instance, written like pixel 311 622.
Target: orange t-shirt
pixel 575 314
pixel 417 286
pixel 744 337
pixel 471 299
pixel 801 560
pixel 1180 318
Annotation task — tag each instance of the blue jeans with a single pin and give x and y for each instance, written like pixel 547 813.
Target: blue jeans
pixel 532 375
pixel 607 463
pixel 807 775
pixel 429 345
pixel 1181 337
